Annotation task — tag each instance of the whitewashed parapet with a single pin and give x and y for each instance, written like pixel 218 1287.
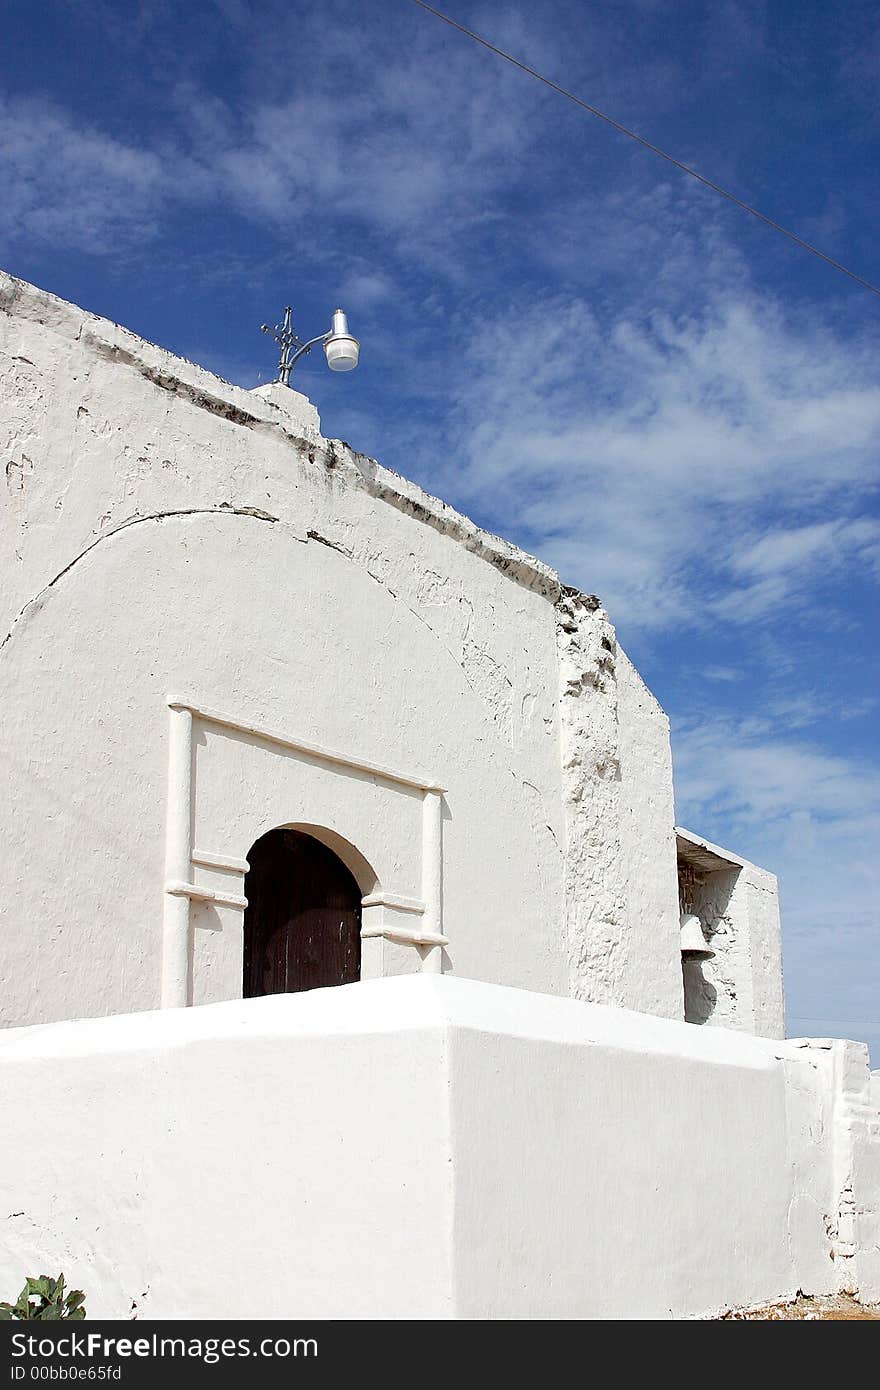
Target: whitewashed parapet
pixel 260 409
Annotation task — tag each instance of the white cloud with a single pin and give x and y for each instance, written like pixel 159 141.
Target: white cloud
pixel 778 566
pixel 745 774
pixel 365 136
pixel 725 674
pixel 672 463
pixel 70 184
pixel 782 550
pixel 813 707
pixel 363 289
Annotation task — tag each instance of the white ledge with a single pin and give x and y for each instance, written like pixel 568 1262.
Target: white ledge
pixel 176 889
pixel 219 861
pixel 311 750
pixel 408 937
pixel 394 900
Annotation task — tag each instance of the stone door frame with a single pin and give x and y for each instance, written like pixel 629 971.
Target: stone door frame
pixel 385 913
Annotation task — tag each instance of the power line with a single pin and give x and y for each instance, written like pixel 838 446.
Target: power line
pixel 655 149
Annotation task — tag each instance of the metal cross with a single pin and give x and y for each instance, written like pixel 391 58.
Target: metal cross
pixel 286 338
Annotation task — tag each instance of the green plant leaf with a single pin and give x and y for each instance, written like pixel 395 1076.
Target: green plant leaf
pixel 44 1298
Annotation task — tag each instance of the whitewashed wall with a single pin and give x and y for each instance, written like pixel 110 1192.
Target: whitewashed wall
pixel 427 1147
pixel 622 895
pixel 166 534
pixel 164 539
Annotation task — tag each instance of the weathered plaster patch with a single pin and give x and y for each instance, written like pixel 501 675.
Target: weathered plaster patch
pixel 595 893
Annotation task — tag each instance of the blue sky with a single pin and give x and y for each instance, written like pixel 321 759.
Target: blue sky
pixel 562 335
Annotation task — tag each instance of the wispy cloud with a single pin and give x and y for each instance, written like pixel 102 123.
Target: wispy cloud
pixel 385 154
pixel 787 565
pixel 363 289
pixel 721 673
pixel 739 770
pixel 72 185
pixel 808 707
pixel 673 463
pixel 827 542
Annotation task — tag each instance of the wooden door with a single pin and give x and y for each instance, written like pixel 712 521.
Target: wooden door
pixel 302 924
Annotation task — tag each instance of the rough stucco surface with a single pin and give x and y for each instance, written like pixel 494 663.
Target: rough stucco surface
pixel 621 892
pixel 484 1152
pixel 653 981
pixel 857 1167
pixel 167 534
pixel 765 939
pixel 170 534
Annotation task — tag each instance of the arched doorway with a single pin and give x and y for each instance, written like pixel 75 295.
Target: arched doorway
pixel 302 924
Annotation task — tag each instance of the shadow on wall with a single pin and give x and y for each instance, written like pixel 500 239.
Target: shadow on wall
pixel 700 995
pixel 710 988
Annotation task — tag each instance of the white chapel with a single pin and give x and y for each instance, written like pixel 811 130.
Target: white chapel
pixel 340 856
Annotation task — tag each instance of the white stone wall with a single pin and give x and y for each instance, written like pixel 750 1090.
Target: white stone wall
pixel 856 1166
pixel 169 536
pixel 621 886
pixel 429 1147
pixel 652 982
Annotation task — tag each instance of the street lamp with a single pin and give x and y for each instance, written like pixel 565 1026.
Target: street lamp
pixel 340 348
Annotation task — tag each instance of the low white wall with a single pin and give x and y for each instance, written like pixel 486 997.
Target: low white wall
pixel 280 1157
pixel 425 1147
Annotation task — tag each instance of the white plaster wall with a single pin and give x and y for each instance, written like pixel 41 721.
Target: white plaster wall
pixel 274 1158
pixel 810 1157
pixel 621 887
pixel 293 644
pixel 652 982
pixel 857 1167
pixel 765 941
pixel 831 1099
pixel 166 533
pixel 595 886
pixel 421 1147
pixel 170 534
pixel 648 1181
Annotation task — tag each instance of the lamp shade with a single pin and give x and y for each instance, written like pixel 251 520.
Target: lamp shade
pixel 341 349
pixel 694 945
